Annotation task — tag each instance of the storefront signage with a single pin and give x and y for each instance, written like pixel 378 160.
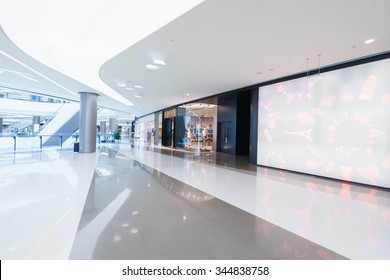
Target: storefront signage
pixel 170 114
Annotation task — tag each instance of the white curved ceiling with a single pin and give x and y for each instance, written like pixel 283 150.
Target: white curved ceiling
pixel 76 37
pixel 217 46
pixel 223 45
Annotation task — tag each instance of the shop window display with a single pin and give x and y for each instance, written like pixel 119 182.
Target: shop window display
pixel 197 123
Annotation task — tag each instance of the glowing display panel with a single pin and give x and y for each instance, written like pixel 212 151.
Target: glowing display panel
pixel 336 124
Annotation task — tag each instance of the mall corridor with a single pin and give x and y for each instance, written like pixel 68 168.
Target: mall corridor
pixel 140 202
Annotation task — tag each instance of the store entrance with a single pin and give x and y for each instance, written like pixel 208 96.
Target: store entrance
pixel 168 132
pixel 196 127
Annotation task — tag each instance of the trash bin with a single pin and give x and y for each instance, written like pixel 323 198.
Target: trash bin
pixel 76 147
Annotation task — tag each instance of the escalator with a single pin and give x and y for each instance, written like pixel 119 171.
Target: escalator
pixel 62 126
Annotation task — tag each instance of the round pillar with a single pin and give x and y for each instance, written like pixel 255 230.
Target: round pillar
pixel 88 121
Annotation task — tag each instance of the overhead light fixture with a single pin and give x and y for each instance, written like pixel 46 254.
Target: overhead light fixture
pixel 369 41
pixel 36 72
pixel 187 94
pixel 121 84
pixel 129 88
pixel 159 62
pixel 28 77
pixel 138 86
pixel 151 67
pixel 138 95
pixel 1 71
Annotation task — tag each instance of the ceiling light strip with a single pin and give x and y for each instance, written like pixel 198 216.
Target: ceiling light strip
pixel 159 61
pixel 151 67
pixel 36 72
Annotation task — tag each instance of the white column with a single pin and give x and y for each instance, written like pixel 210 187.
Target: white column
pixel 103 128
pixel 112 125
pixel 36 122
pixel 88 121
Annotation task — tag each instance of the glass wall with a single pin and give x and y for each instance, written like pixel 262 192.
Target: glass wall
pixel 145 129
pixel 157 131
pixel 196 125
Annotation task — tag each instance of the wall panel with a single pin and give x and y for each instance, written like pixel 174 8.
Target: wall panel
pixel 336 124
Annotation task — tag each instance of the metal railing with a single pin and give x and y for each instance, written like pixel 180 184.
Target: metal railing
pixel 30 142
pixel 13 143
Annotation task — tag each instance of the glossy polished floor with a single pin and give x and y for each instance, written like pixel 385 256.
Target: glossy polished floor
pixel 139 202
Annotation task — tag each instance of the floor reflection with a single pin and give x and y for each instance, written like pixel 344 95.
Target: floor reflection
pixel 163 218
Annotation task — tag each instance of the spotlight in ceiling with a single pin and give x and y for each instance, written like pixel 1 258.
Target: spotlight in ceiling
pixel 159 62
pixel 151 67
pixel 138 95
pixel 138 86
pixel 121 84
pixel 369 41
pixel 129 88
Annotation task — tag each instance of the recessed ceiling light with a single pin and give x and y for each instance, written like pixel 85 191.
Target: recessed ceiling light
pixel 151 67
pixel 121 84
pixel 138 95
pixel 129 88
pixel 1 71
pixel 159 61
pixel 187 94
pixel 369 41
pixel 138 86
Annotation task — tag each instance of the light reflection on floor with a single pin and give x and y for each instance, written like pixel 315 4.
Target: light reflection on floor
pixel 326 212
pixel 139 202
pixel 163 218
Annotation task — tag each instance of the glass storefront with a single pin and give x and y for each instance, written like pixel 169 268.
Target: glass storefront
pixel 196 124
pixel 145 129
